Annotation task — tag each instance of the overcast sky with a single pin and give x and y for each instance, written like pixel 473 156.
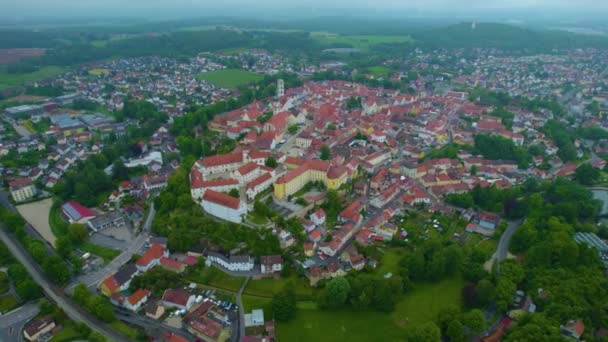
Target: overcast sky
pixel 227 7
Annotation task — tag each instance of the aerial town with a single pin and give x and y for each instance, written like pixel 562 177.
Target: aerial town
pixel 194 215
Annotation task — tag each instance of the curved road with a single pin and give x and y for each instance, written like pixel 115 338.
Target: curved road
pixel 54 293
pixel 503 245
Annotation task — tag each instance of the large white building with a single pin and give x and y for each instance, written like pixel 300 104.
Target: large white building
pixel 22 189
pixel 224 206
pixel 236 263
pixel 259 184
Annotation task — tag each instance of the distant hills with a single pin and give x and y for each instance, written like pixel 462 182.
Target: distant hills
pixel 492 35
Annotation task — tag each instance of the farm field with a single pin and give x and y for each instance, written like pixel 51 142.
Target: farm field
pixel 358 42
pixel 229 78
pixel 11 80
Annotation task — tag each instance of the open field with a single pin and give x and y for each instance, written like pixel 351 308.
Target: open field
pixel 213 277
pixel 66 334
pixel 125 329
pixel 379 71
pixel 415 307
pixel 11 80
pixel 358 42
pixel 229 78
pixel 37 214
pixel 8 56
pixel 98 71
pixel 268 286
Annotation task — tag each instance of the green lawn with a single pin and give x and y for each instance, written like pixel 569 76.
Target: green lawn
pixel 390 261
pixel 256 218
pixel 213 277
pixel 268 286
pixel 107 254
pixel 124 328
pixel 8 303
pixel 418 306
pixel 251 303
pixel 358 42
pixel 229 78
pixel 68 333
pixel 4 283
pixel 379 71
pixel 11 80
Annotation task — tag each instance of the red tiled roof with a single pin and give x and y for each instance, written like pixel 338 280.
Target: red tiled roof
pixel 247 168
pixel 138 296
pixel 19 183
pixel 259 180
pixel 170 263
pixel 222 159
pixel 221 199
pixel 154 252
pixel 111 283
pixel 319 165
pixel 179 297
pixel 336 172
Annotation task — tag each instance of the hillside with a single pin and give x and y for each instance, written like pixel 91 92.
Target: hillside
pixel 492 35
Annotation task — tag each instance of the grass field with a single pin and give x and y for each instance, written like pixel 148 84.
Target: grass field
pixel 379 71
pixel 10 80
pixel 268 286
pixel 8 303
pixel 229 78
pixel 66 334
pixel 213 277
pixel 358 42
pixel 390 261
pixel 255 218
pixel 107 254
pixel 98 71
pixel 418 306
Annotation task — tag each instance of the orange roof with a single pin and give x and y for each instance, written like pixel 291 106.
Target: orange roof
pixel 336 172
pixel 138 296
pixel 170 263
pixel 259 180
pixel 318 165
pixel 221 199
pixel 222 159
pixel 155 251
pixel 111 283
pixel 247 168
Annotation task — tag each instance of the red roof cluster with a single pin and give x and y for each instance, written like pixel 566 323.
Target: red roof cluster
pixel 155 251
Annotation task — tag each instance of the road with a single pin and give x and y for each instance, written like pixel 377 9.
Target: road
pixel 239 302
pixel 503 245
pixel 91 280
pixel 12 323
pixel 56 294
pixel 152 325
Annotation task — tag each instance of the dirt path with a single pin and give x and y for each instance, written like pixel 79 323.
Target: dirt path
pixel 37 214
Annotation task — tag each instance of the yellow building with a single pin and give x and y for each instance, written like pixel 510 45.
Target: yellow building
pixel 310 171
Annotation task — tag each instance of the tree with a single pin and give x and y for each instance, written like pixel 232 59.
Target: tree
pixel 234 193
pixel 447 315
pixel 586 174
pixel 271 162
pixel 535 328
pixel 119 170
pixel 292 129
pixel 284 304
pixel 337 291
pixel 81 294
pixel 428 332
pixel 325 152
pixel 455 331
pixel 505 289
pixel 101 308
pixel 474 320
pixel 28 290
pixel 78 233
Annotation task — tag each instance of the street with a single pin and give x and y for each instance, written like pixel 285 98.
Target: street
pixel 91 280
pixel 12 323
pixel 239 302
pixel 55 294
pixel 503 245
